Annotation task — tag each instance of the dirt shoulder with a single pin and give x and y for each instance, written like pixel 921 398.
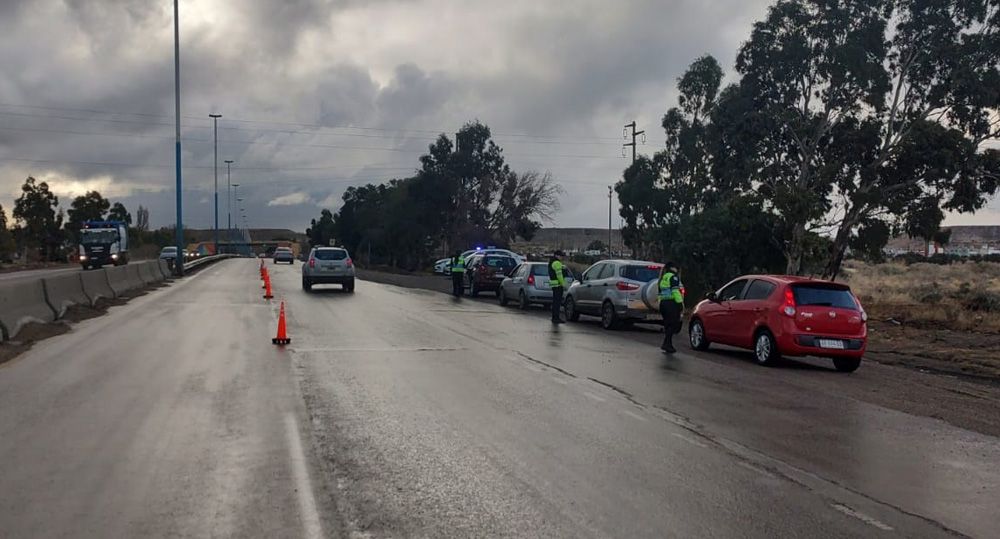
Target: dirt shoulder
pixel 34 332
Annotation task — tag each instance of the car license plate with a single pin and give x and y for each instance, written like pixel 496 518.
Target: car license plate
pixel 830 343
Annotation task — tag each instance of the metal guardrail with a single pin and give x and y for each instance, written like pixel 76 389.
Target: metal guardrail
pixel 195 264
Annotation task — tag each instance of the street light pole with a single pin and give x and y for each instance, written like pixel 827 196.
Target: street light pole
pixel 229 203
pixel 179 265
pixel 215 139
pixel 235 195
pixel 609 222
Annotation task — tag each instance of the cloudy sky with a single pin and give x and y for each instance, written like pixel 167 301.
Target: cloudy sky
pixel 317 95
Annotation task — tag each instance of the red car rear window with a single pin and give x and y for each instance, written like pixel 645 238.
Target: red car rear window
pixel 821 295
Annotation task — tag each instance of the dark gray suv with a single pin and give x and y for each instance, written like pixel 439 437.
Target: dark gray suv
pixel 618 291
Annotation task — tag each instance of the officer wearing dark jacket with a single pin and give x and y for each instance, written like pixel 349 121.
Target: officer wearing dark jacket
pixel 457 274
pixel 671 305
pixel 557 282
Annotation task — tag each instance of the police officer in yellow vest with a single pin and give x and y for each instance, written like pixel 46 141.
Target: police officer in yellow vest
pixel 557 282
pixel 458 274
pixel 671 305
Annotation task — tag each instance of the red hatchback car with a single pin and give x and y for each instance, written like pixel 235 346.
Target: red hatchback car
pixel 776 315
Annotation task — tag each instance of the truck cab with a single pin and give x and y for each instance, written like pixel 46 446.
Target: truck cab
pixel 103 242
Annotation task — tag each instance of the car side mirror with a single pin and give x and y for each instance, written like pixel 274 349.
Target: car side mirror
pixel 712 296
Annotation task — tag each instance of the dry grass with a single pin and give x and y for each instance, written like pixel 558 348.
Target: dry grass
pixel 963 296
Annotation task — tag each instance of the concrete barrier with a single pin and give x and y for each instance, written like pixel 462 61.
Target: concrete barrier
pixel 118 280
pixel 23 302
pixel 63 291
pixel 146 273
pixel 164 268
pixel 96 285
pixel 134 277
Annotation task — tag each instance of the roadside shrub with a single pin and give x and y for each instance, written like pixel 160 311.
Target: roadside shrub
pixel 983 301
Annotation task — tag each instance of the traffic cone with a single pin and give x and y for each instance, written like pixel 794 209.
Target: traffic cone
pixel 267 287
pixel 282 337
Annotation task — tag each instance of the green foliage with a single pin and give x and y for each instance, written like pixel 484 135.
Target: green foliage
pixel 89 207
pixel 6 238
pixel 685 205
pixel 321 232
pixel 120 213
pixel 460 196
pixel 40 227
pixel 866 111
pixel 597 245
pixel 713 246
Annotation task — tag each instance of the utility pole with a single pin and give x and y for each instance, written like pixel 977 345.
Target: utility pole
pixel 179 264
pixel 235 195
pixel 635 134
pixel 609 222
pixel 229 200
pixel 215 139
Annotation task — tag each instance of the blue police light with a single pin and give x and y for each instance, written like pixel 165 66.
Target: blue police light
pixel 479 248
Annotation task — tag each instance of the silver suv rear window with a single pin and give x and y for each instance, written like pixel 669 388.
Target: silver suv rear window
pixel 641 273
pixel 330 254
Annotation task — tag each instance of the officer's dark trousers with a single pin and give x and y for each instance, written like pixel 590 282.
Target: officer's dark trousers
pixel 671 312
pixel 557 294
pixel 457 286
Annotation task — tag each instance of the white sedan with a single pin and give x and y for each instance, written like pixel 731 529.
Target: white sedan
pixel 442 266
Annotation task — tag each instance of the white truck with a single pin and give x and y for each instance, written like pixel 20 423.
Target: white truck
pixel 103 242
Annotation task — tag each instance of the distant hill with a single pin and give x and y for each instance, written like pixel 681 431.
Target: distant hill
pixel 567 239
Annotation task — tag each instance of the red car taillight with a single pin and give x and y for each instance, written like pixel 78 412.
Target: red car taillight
pixel 349 262
pixel 531 280
pixel 626 286
pixel 789 307
pixel 312 262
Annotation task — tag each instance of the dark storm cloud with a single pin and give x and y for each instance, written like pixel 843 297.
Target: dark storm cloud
pixel 578 70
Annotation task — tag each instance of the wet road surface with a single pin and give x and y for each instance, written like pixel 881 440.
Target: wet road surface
pixel 398 412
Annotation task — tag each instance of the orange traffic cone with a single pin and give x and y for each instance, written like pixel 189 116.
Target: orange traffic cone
pixel 267 288
pixel 282 337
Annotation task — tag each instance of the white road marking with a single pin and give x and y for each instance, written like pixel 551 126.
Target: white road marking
pixel 871 521
pixel 307 503
pixel 689 440
pixel 595 397
pixel 630 413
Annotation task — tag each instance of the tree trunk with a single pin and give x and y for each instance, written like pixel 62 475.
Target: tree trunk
pixel 840 242
pixel 795 250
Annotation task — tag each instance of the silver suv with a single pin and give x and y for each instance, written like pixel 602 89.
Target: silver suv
pixel 618 291
pixel 328 265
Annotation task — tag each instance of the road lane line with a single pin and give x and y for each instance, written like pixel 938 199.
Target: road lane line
pixel 307 502
pixel 689 440
pixel 871 521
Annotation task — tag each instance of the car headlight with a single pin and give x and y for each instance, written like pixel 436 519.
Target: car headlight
pixel 114 257
pixel 83 257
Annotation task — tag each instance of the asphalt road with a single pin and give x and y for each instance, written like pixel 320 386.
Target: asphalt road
pixel 37 273
pixel 397 412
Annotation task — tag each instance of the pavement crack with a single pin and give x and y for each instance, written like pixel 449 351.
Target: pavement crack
pixel 540 362
pixel 616 389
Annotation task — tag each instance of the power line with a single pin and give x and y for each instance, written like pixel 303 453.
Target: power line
pixel 435 132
